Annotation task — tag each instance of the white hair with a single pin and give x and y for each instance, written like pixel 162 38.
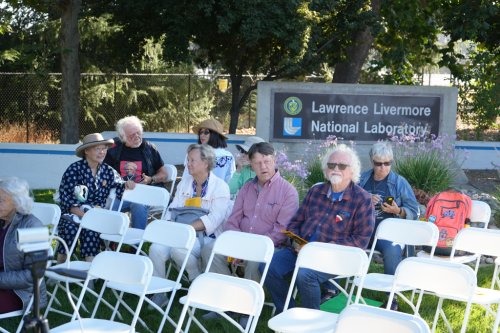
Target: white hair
pixel 19 191
pixel 382 150
pixel 127 121
pixel 355 163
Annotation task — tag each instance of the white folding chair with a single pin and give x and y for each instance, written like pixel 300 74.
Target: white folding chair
pixel 227 293
pixel 49 215
pixel 173 235
pixel 344 261
pixel 238 245
pixel 404 232
pixel 446 280
pixel 152 196
pixel 364 318
pixel 480 216
pixel 112 267
pixel 172 176
pixel 480 242
pixel 98 220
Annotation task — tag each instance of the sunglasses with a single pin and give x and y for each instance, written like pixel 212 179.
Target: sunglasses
pixel 204 132
pixel 341 166
pixel 379 164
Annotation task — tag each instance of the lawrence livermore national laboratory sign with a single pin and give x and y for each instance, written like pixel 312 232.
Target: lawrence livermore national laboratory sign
pixel 363 117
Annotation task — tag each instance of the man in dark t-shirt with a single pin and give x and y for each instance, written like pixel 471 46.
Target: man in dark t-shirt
pixel 135 159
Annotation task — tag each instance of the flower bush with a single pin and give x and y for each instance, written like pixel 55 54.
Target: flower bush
pixel 306 172
pixel 429 163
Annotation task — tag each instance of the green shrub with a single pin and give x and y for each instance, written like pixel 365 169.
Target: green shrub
pixel 429 164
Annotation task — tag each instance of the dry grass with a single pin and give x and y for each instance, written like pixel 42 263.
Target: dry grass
pixel 16 133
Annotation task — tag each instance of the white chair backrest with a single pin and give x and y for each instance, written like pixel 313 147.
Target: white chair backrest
pixel 153 196
pixel 478 241
pixel 363 318
pixel 105 221
pixel 172 176
pixel 480 212
pixel 102 221
pixel 123 268
pixel 340 260
pixel 227 293
pixel 446 279
pixel 245 246
pixel 120 268
pixel 48 213
pixel 408 232
pixel 170 234
pixel 333 259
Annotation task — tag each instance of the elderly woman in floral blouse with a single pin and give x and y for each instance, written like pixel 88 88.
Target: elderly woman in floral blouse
pixel 84 185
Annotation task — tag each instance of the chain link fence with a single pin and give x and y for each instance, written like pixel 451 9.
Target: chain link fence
pixel 31 104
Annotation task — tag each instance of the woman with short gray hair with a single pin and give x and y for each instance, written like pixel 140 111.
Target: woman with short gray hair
pixel 199 188
pixel 16 283
pixel 392 196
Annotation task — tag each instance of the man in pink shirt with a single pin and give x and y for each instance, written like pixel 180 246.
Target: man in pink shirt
pixel 264 206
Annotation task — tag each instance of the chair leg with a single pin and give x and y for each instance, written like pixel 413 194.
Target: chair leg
pixel 497 320
pixel 436 316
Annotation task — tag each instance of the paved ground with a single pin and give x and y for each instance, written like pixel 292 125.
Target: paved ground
pixel 487 181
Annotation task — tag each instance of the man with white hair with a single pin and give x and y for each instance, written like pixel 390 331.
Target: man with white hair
pixel 131 148
pixel 337 211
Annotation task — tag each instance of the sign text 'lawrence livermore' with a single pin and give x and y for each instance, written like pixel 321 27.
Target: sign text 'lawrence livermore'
pixel 354 117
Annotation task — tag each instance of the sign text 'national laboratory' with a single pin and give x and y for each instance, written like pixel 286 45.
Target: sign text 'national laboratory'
pixel 354 117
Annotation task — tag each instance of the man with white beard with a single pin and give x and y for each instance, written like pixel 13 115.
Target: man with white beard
pixel 337 211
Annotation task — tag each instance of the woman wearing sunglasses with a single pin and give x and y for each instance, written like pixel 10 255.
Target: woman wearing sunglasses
pixel 392 196
pixel 210 132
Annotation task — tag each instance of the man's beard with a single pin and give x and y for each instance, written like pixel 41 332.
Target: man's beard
pixel 335 179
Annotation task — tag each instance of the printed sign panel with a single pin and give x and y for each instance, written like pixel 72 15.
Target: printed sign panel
pixel 299 116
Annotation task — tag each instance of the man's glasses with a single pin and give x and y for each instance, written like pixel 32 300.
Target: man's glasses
pixel 341 166
pixel 204 132
pixel 379 164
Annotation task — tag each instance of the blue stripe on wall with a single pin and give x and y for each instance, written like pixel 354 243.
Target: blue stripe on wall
pixel 72 152
pixel 476 148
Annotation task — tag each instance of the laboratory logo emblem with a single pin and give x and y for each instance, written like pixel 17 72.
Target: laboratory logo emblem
pixel 292 126
pixel 292 105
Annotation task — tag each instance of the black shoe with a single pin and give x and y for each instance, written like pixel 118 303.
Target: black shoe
pixel 328 295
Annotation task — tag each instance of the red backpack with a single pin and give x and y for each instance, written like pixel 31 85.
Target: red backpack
pixel 449 210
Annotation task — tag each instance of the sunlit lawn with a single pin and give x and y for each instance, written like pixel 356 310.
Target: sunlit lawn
pixel 478 321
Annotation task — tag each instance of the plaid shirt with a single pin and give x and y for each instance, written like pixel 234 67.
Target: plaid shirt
pixel 349 221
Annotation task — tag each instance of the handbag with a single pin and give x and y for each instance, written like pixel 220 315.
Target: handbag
pixel 188 215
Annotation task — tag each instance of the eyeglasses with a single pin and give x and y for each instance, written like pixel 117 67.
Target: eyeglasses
pixel 204 132
pixel 100 149
pixel 341 166
pixel 379 164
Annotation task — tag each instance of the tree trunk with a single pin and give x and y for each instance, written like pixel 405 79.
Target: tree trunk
pixel 348 71
pixel 70 68
pixel 234 113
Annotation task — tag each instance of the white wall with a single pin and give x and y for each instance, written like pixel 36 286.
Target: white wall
pixel 43 165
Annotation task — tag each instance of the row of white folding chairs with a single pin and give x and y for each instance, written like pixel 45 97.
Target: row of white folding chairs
pixel 396 230
pixel 209 291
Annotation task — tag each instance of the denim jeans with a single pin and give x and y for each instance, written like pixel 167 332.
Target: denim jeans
pixel 138 212
pixel 308 281
pixel 392 254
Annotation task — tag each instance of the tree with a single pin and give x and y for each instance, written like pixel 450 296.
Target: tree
pixel 70 68
pixel 241 36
